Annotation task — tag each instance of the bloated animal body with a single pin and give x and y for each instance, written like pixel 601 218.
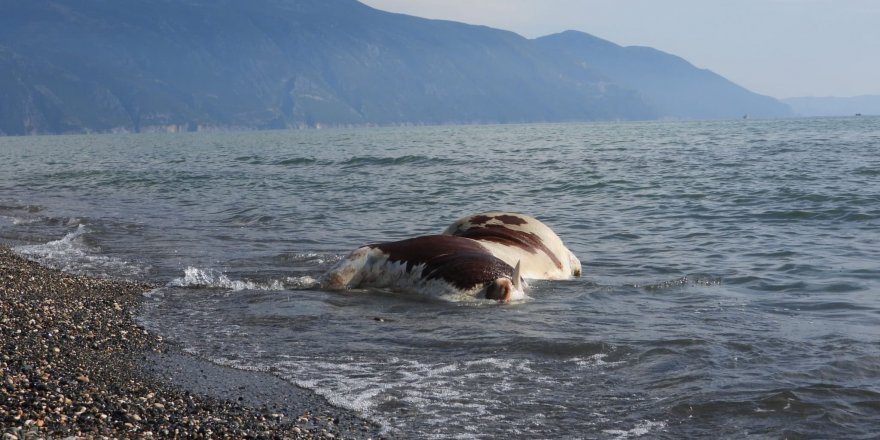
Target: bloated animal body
pixel 484 256
pixel 435 265
pixel 518 238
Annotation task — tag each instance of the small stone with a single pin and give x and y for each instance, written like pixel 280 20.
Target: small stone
pixel 83 378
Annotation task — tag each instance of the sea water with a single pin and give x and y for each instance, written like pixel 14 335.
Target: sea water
pixel 731 282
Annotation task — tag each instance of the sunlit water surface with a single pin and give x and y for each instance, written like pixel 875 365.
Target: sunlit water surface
pixel 731 281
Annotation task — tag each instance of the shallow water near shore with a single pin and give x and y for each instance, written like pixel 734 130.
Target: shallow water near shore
pixel 731 284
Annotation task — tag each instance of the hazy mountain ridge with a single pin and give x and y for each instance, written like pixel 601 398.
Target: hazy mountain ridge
pixel 137 65
pixel 672 86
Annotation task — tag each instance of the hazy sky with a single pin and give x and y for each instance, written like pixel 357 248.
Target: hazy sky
pixel 781 48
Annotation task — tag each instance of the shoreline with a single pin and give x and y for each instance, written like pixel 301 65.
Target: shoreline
pixel 75 362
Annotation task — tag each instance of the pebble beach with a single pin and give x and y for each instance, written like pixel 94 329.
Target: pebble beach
pixel 74 363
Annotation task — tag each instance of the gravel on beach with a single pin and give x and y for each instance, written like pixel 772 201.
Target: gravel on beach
pixel 74 362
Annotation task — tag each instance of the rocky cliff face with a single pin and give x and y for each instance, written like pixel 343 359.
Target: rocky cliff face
pixel 137 65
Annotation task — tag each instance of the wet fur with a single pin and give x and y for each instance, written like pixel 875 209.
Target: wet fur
pixel 516 238
pixel 436 265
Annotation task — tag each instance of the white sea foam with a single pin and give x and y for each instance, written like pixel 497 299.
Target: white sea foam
pixel 24 221
pixel 240 365
pixel 359 393
pixel 71 254
pixel 210 278
pixel 432 389
pixel 364 385
pixel 314 258
pixel 66 246
pixel 642 428
pixel 303 282
pixel 20 215
pixel 594 361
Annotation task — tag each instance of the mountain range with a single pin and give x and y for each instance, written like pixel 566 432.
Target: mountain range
pixel 74 66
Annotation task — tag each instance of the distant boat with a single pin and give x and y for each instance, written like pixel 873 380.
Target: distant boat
pixel 746 116
pixel 858 114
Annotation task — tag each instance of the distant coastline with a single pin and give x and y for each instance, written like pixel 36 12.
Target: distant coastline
pixel 864 105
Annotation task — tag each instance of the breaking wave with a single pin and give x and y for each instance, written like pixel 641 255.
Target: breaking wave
pixel 72 254
pixel 194 277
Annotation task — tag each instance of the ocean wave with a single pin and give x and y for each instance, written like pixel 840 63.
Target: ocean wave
pixel 642 428
pixel 867 171
pixel 15 214
pixel 31 209
pixel 366 386
pixel 260 160
pixel 67 244
pixel 310 259
pixel 812 405
pixel 302 282
pixel 685 281
pixel 570 187
pixel 253 160
pixel 194 277
pixel 7 220
pixel 296 161
pixel 836 214
pixel 398 160
pixel 598 360
pixel 73 254
pixel 255 218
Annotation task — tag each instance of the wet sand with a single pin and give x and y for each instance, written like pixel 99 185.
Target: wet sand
pixel 75 362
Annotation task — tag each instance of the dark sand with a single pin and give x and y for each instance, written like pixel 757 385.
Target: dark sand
pixel 74 362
